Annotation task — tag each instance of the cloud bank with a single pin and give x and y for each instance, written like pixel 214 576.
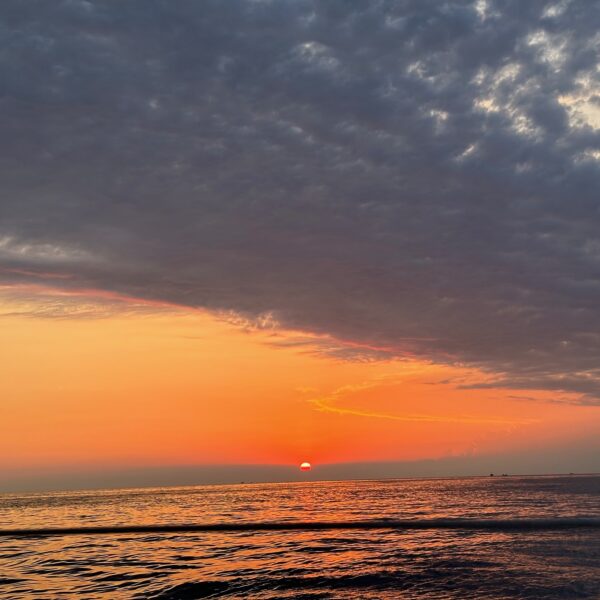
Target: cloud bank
pixel 417 176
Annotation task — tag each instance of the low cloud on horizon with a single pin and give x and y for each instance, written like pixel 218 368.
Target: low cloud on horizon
pixel 579 458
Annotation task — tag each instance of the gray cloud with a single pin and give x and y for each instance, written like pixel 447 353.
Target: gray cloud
pixel 419 176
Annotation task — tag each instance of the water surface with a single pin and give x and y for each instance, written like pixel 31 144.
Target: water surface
pixel 435 564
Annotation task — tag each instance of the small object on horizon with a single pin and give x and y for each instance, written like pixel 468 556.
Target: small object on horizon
pixel 305 466
pixel 491 474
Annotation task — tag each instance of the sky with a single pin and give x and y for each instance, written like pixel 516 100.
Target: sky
pixel 239 235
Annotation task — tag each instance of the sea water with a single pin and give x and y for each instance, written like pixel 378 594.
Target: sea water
pixel 429 563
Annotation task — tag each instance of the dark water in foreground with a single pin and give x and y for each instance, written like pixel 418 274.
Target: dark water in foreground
pixel 433 564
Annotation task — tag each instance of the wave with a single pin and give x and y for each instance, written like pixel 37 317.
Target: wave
pixel 399 524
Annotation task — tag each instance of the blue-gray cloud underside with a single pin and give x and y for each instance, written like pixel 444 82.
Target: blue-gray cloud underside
pixel 419 176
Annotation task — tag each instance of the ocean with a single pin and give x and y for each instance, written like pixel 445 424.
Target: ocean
pixel 504 562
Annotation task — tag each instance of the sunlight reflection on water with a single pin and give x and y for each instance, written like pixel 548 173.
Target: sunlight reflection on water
pixel 328 564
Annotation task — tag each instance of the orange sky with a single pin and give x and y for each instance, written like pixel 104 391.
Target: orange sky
pixel 100 381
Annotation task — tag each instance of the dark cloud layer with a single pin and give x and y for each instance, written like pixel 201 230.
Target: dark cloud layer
pixel 418 176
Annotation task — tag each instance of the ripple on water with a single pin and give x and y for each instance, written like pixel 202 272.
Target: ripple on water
pixel 434 565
